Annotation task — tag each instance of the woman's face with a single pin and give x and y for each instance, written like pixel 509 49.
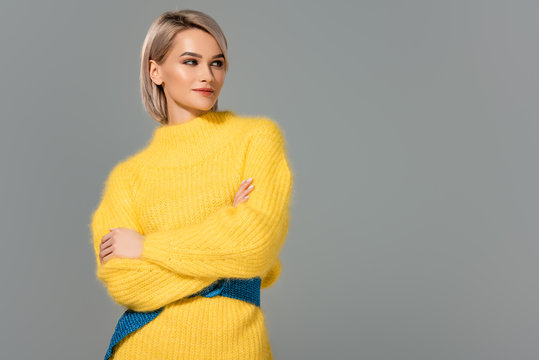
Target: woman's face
pixel 194 61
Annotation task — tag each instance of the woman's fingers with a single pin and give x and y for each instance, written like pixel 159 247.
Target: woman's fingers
pixel 104 252
pixel 246 186
pixel 243 192
pixel 245 183
pixel 105 244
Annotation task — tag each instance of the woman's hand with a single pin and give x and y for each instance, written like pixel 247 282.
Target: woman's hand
pixel 243 193
pixel 121 242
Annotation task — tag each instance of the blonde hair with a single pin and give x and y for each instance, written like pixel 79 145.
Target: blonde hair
pixel 158 41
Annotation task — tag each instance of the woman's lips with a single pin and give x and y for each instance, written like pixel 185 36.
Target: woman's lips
pixel 204 92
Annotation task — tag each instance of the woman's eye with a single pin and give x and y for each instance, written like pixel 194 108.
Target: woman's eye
pixel 188 62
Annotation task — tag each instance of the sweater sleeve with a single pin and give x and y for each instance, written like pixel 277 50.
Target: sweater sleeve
pixel 240 241
pixel 136 284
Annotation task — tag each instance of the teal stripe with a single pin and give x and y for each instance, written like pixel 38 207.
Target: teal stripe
pixel 243 289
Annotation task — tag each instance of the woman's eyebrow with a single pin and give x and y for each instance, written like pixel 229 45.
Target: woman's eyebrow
pixel 199 56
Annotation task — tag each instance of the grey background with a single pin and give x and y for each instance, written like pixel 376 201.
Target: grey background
pixel 412 130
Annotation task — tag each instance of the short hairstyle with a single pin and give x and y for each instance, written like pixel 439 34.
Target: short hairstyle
pixel 158 41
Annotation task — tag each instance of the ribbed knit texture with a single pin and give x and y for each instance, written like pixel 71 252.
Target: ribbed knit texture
pixel 178 191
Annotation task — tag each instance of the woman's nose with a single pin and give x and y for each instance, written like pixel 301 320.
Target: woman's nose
pixel 206 74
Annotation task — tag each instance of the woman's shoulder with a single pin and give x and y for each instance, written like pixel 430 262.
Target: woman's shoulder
pixel 263 134
pixel 124 169
pixel 258 125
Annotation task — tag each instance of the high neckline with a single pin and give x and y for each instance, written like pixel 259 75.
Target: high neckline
pixel 181 144
pixel 192 131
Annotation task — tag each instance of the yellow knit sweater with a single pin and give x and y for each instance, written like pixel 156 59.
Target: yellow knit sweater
pixel 178 191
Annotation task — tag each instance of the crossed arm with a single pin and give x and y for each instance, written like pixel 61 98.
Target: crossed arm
pixel 179 262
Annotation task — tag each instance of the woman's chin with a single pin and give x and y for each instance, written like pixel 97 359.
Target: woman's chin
pixel 205 106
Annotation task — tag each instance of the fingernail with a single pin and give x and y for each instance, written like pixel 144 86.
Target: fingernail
pixel 243 181
pixel 249 180
pixel 250 187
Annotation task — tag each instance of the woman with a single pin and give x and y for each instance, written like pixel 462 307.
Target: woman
pixel 179 239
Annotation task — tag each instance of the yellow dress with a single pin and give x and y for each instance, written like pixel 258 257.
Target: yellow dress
pixel 178 191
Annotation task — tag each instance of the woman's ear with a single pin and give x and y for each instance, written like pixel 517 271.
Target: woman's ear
pixel 155 73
